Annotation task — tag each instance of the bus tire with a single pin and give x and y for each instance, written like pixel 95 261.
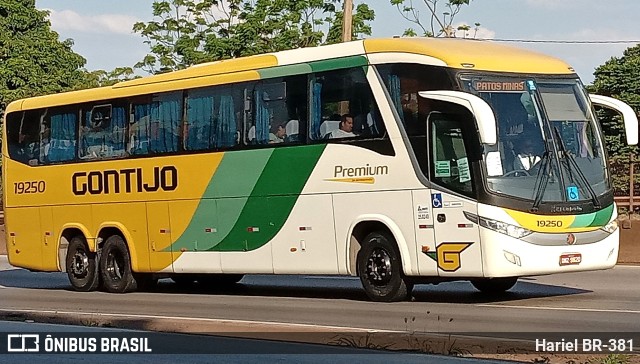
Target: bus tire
pixel 115 266
pixel 380 269
pixel 494 285
pixel 82 265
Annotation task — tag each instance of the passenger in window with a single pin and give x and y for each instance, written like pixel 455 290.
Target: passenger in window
pixel 277 134
pixel 345 129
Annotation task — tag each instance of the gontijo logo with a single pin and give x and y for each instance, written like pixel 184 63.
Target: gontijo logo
pixel 363 174
pixel 125 180
pixel 447 255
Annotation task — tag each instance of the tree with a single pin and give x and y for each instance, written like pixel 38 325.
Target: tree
pixel 361 16
pixel 32 59
pixel 99 78
pixel 187 32
pixel 439 24
pixel 619 77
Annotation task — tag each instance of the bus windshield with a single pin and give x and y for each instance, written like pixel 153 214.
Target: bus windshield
pixel 549 147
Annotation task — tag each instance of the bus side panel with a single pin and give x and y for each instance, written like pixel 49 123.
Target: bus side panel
pixel 195 231
pixel 49 241
pixel 76 216
pixel 393 208
pixel 159 237
pixel 24 244
pixel 424 232
pixel 245 248
pixel 131 220
pixel 458 247
pixel 306 244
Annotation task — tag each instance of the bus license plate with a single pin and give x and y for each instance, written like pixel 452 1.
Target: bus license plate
pixel 570 259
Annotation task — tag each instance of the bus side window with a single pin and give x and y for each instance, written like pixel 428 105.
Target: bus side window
pixel 23 133
pixel 279 111
pixel 102 131
pixel 156 123
pixel 212 118
pixel 335 94
pixel 64 133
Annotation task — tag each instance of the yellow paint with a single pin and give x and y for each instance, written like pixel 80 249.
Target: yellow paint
pixel 58 208
pixel 484 55
pixel 131 220
pixel 24 243
pixel 224 67
pixel 449 255
pixel 547 224
pixel 159 233
pixel 367 180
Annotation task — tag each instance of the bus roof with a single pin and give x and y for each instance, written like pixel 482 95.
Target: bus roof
pixel 483 55
pixel 455 53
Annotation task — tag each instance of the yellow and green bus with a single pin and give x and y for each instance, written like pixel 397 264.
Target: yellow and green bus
pixel 402 161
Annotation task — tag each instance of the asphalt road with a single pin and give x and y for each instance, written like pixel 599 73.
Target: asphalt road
pixel 574 302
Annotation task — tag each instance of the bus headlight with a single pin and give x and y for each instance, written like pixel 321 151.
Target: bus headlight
pixel 504 228
pixel 610 227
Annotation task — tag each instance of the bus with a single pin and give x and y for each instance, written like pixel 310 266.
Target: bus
pixel 400 161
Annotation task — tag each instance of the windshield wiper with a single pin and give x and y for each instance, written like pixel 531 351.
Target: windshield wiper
pixel 542 179
pixel 571 161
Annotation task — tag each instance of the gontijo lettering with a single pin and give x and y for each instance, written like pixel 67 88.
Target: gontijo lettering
pixel 126 180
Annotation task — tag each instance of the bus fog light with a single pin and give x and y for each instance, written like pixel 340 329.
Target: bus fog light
pixel 610 227
pixel 512 258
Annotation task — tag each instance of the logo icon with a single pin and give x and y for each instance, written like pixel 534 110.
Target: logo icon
pixel 436 200
pixel 571 239
pixel 572 193
pixel 23 343
pixel 447 255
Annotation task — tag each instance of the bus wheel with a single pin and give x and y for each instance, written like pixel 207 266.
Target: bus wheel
pixel 82 266
pixel 115 266
pixel 494 285
pixel 380 269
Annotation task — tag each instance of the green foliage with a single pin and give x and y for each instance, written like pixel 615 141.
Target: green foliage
pixel 101 78
pixel 435 24
pixel 612 359
pixel 187 32
pixel 619 77
pixel 32 59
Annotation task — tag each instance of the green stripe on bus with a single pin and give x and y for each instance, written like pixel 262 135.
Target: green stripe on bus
pixel 288 70
pixel 336 63
pixel 224 199
pixel 238 173
pixel 603 216
pixel 581 221
pixel 273 198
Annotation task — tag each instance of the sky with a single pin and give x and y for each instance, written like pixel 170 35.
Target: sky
pixel 102 31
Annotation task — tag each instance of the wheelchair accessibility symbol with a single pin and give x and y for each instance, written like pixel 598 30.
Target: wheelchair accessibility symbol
pixel 436 200
pixel 572 193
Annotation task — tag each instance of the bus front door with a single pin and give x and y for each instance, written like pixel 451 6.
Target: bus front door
pixel 457 251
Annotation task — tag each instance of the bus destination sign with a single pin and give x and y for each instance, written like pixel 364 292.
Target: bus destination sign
pixel 496 85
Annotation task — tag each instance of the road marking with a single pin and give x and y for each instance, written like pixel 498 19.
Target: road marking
pixel 560 308
pixel 212 320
